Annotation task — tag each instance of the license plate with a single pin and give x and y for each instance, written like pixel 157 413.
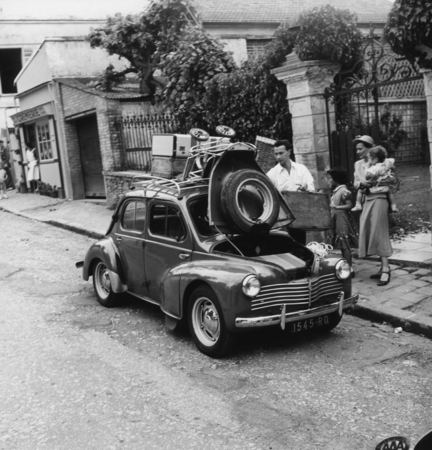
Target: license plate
pixel 309 324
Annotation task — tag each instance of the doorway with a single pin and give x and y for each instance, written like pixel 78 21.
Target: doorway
pixel 91 158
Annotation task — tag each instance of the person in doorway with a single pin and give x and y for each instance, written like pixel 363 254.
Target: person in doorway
pixel 345 235
pixel 5 161
pixel 288 175
pixel 3 179
pixel 32 167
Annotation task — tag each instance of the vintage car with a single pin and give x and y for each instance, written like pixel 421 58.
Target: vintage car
pixel 210 248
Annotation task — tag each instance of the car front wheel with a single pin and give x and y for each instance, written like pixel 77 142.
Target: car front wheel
pixel 102 286
pixel 207 325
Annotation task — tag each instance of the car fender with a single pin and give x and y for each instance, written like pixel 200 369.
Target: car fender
pixel 327 265
pixel 224 276
pixel 106 251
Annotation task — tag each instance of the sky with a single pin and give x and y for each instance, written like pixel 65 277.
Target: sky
pixel 64 9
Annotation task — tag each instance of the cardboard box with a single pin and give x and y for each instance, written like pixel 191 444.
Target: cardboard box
pixel 172 145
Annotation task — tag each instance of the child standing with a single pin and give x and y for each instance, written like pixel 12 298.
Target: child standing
pixel 3 178
pixel 379 173
pixel 345 233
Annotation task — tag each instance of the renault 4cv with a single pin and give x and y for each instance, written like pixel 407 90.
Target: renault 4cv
pixel 210 248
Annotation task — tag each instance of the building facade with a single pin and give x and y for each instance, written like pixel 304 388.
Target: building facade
pixel 24 24
pixel 54 99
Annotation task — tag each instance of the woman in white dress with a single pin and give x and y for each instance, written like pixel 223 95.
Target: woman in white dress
pixel 32 167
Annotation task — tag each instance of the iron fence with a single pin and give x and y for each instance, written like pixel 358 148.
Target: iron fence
pixel 136 135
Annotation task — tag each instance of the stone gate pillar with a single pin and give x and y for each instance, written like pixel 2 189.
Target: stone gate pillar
pixel 306 81
pixel 427 78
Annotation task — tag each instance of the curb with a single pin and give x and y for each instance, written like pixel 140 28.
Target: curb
pixel 59 224
pixel 410 322
pixel 74 228
pixel 427 264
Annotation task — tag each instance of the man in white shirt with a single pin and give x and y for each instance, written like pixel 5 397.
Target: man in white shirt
pixel 288 175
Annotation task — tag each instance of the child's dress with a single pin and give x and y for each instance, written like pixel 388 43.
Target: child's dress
pixel 345 234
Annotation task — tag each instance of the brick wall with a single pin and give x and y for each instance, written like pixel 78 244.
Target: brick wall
pixel 117 184
pixel 110 139
pixel 75 101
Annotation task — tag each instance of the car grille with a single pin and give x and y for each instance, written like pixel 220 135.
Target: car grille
pixel 297 292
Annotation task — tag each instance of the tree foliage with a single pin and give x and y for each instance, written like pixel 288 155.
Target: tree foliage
pixel 329 33
pixel 165 39
pixel 409 26
pixel 197 60
pixel 391 133
pixel 252 100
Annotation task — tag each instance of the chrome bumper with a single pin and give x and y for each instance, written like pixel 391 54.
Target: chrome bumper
pixel 283 318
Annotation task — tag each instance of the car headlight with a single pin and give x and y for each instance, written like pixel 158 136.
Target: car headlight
pixel 251 286
pixel 343 270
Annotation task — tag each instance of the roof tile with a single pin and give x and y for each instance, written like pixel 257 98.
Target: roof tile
pixel 277 11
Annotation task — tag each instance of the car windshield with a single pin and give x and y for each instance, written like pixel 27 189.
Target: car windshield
pixel 199 212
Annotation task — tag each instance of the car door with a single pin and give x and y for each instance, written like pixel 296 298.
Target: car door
pixel 129 237
pixel 168 245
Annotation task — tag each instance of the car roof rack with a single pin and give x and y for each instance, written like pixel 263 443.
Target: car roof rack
pixel 165 185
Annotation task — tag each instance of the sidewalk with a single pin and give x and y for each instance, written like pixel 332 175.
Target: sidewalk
pixel 405 302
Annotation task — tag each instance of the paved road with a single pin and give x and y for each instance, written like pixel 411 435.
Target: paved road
pixel 74 375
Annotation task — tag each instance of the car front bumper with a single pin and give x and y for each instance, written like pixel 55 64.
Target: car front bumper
pixel 283 318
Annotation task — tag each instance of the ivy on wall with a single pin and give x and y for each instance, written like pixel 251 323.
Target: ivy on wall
pixel 329 33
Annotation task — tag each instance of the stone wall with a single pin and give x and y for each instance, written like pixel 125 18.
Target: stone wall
pixel 305 82
pixel 117 184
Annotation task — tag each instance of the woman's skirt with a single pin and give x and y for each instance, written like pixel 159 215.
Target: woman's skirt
pixel 374 227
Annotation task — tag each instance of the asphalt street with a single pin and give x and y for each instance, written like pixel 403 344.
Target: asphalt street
pixel 75 375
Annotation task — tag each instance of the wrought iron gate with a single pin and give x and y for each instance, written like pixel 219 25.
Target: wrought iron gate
pixel 360 102
pixel 136 138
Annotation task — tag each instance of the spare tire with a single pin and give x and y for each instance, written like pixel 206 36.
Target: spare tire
pixel 250 201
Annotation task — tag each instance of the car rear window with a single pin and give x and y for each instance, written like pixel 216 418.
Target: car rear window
pixel 134 216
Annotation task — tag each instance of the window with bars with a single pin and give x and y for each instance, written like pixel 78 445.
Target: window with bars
pixel 256 47
pixel 44 141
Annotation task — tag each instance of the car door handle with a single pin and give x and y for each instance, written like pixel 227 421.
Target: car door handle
pixel 118 239
pixel 184 255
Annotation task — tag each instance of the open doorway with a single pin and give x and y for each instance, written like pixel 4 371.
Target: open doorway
pixel 91 158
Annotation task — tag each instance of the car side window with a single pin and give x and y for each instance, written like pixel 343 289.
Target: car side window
pixel 166 221
pixel 133 218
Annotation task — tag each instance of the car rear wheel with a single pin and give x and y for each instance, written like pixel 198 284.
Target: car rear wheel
pixel 102 286
pixel 207 325
pixel 250 200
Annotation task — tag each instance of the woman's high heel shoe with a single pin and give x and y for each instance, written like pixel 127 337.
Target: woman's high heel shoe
pixel 385 278
pixel 376 276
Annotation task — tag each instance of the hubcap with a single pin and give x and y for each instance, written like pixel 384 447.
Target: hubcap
pixel 205 320
pixel 103 281
pixel 254 201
